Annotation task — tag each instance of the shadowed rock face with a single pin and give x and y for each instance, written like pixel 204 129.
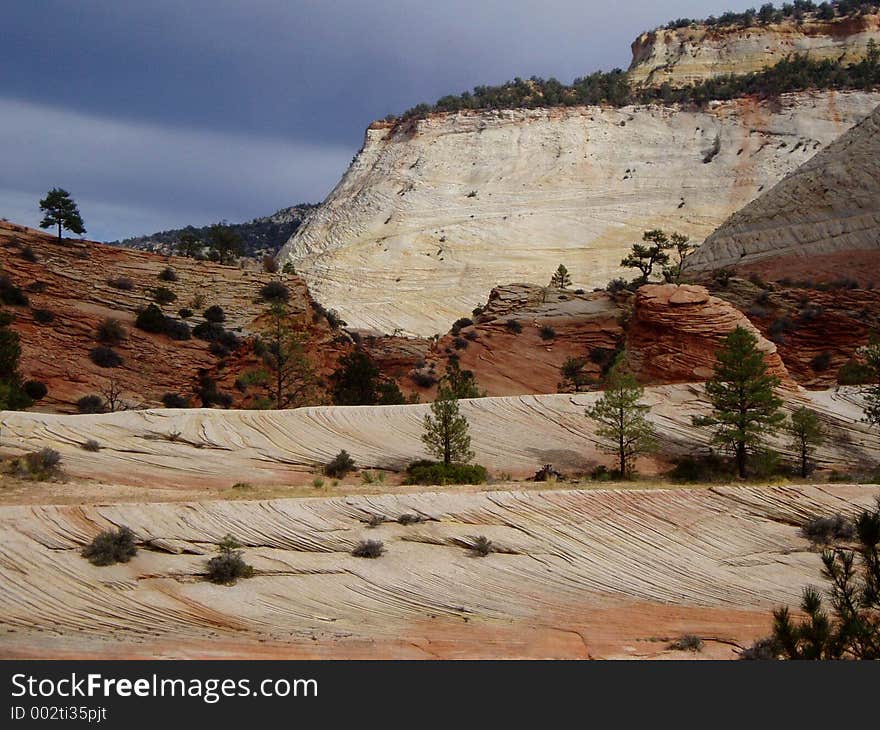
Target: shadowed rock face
pixel 433 214
pixel 692 54
pixel 812 220
pixel 577 574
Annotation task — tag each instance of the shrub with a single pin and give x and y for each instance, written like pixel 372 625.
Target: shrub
pixel 460 343
pixel 482 546
pixel 854 373
pixel 368 549
pixel 821 362
pixel 547 332
pixel 340 465
pixel 151 319
pixel 184 313
pixel 167 274
pixel 176 330
pixel 111 546
pixel 371 477
pixel 243 486
pixel 90 404
pixel 215 313
pixel 275 291
pixel 513 326
pixel 270 265
pixel 110 331
pixel 459 324
pixel 778 328
pixel 317 483
pixel 35 390
pixel 229 566
pixel 375 520
pixel 42 316
pixel 91 445
pixel 11 294
pixel 615 286
pixel 407 518
pixel 423 379
pixel 123 283
pixel 763 649
pixel 163 295
pixel 722 277
pixel 27 253
pixel 218 349
pixel 825 530
pixel 105 357
pixel 38 465
pixel 175 400
pixel 432 472
pixel 694 468
pixel 688 642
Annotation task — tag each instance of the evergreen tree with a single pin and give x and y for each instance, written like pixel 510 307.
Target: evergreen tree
pixel 745 406
pixel 645 256
pixel 60 210
pixel 189 244
pixel 806 433
pixel 446 430
pixel 461 383
pixel 291 380
pixel 852 629
pixel 12 394
pixel 871 393
pixel 682 248
pixel 560 279
pixel 622 417
pixel 225 244
pixel 573 376
pixel 355 380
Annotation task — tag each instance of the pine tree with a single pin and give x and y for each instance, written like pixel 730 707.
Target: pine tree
pixel 225 244
pixel 355 380
pixel 12 394
pixel 291 379
pixel 645 257
pixel 461 383
pixel 871 393
pixel 60 210
pixel 683 249
pixel 623 424
pixel 573 376
pixel 446 430
pixel 806 433
pixel 560 279
pixel 745 406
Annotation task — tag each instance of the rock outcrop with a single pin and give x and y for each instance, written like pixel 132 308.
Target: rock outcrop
pixel 70 291
pixel 698 52
pixel 675 332
pixel 434 213
pixel 828 208
pixel 577 574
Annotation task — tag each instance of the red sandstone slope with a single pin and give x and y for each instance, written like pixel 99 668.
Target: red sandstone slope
pixel 70 280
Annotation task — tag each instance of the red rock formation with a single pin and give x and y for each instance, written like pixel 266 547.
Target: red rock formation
pixel 675 331
pixel 70 279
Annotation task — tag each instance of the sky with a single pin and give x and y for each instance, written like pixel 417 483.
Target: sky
pixel 160 114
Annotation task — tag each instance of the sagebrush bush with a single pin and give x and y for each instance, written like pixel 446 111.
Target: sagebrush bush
pixel 229 566
pixel 688 642
pixel 514 326
pixel 163 295
pixel 90 404
pixel 35 389
pixel 368 549
pixel 42 316
pixel 547 332
pixel 825 530
pixel 38 465
pixel 151 320
pixel 407 518
pixel 375 520
pixel 340 465
pixel 167 274
pixel 433 472
pixel 123 283
pixel 111 546
pixel 110 331
pixel 184 313
pixel 215 313
pixel 91 445
pixel 105 357
pixel 482 546
pixel 274 291
pixel 176 330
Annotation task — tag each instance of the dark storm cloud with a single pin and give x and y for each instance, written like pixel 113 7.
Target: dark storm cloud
pixel 234 109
